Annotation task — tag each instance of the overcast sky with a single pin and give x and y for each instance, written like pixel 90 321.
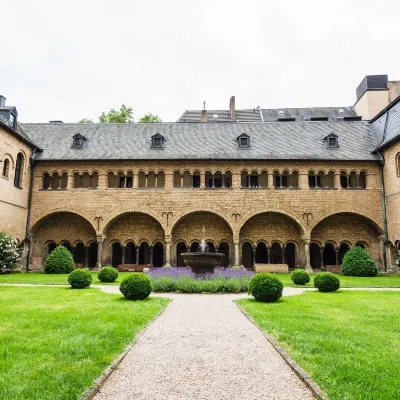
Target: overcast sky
pixel 72 59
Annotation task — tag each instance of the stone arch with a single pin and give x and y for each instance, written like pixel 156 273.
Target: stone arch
pixel 258 211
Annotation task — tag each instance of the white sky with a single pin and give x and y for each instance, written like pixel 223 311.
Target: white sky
pixel 72 59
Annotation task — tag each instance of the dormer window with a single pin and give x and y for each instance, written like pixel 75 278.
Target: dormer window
pixel 157 141
pixel 78 141
pixel 331 141
pixel 12 120
pixel 243 141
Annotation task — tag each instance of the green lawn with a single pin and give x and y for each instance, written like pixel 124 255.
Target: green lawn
pixel 345 281
pixel 349 342
pixel 54 342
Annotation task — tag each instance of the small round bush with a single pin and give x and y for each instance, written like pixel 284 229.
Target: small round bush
pixel 59 261
pixel 357 262
pixel 265 287
pixel 80 279
pixel 107 274
pixel 300 277
pixel 326 282
pixel 136 286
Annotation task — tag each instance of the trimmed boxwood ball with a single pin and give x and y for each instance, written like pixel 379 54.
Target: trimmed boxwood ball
pixel 80 279
pixel 357 262
pixel 59 261
pixel 265 287
pixel 107 274
pixel 326 282
pixel 300 277
pixel 136 286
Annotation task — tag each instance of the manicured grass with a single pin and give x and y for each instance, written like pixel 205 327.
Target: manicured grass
pixel 349 342
pixel 345 281
pixel 54 342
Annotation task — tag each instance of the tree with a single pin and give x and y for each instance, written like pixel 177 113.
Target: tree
pixel 150 118
pixel 124 115
pixel 86 121
pixel 9 253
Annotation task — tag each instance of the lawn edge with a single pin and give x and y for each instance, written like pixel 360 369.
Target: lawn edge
pixel 299 371
pixel 105 376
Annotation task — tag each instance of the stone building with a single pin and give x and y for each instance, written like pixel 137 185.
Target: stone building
pixel 295 186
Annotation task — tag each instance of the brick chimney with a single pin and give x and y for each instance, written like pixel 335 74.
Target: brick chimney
pixel 232 108
pixel 204 117
pixel 2 101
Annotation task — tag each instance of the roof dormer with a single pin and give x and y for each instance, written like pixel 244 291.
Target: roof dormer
pixel 243 141
pixel 331 141
pixel 78 141
pixel 157 141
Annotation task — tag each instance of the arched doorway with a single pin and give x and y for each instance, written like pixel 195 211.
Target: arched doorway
pixel 261 254
pixel 329 254
pixel 211 247
pixel 50 247
pixel 194 247
pixel 67 246
pixel 158 255
pixel 290 255
pixel 224 248
pixel 130 253
pixel 343 249
pixel 79 254
pixel 116 254
pixel 144 253
pixel 276 253
pixel 315 256
pixel 92 255
pixel 247 255
pixel 180 248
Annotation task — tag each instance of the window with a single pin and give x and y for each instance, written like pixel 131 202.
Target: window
pixel 18 170
pixel 12 120
pixel 157 141
pixel 6 168
pixel 196 181
pixel 243 141
pixel 332 142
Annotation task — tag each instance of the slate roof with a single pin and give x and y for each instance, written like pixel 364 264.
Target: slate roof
pixel 196 141
pixel 250 115
pixel 271 115
pixel 19 133
pixel 302 114
pixel 386 125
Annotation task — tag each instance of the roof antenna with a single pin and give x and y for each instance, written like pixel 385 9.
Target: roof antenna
pixel 204 105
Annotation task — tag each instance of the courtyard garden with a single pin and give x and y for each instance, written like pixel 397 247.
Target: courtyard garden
pixel 348 342
pixel 54 342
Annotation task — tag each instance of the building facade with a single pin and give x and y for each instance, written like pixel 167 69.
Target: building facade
pixel 300 191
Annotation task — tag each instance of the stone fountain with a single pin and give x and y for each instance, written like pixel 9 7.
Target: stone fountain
pixel 202 261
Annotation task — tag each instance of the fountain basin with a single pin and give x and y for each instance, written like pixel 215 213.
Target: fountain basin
pixel 202 262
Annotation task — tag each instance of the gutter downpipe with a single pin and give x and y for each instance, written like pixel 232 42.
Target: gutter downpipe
pixel 28 218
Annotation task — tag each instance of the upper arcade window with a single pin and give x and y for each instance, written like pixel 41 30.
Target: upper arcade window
pixel 78 141
pixel 243 141
pixel 6 168
pixel 13 121
pixel 18 170
pixel 157 141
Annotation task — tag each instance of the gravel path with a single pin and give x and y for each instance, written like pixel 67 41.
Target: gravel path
pixel 203 347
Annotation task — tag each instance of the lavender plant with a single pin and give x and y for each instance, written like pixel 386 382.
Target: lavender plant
pixel 223 280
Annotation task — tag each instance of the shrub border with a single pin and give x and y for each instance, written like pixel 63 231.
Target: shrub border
pixel 299 371
pixel 90 393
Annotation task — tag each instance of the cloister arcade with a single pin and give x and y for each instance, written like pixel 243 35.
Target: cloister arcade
pixel 267 237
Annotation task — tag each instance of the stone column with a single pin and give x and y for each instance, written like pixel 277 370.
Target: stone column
pixel 168 251
pixel 99 250
pixel 86 264
pixel 213 183
pixel 135 181
pixel 50 182
pixel 322 257
pixel 223 181
pixel 358 181
pixel 80 181
pixel 306 239
pixel 202 180
pixel 70 181
pixel 336 182
pixel 181 181
pixel 137 248
pixel 337 255
pixel 268 255
pixel 283 254
pixel 146 180
pixel 156 181
pixel 90 181
pixel 151 255
pixel 123 249
pixel 254 255
pixel 237 252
